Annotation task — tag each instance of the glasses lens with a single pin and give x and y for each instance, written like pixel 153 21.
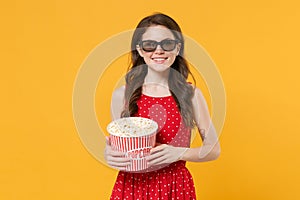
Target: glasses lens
pixel 149 45
pixel 168 45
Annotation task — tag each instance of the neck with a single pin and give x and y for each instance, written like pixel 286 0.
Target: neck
pixel 156 83
pixel 159 78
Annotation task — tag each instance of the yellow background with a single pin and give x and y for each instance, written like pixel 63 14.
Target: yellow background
pixel 255 45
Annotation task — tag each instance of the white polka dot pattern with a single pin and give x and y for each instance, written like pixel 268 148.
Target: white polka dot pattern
pixel 168 183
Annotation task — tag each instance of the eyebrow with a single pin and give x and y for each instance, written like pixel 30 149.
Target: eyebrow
pixel 160 40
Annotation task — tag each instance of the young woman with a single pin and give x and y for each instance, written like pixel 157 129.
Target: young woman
pixel 157 88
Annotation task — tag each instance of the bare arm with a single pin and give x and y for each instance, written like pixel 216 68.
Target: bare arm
pixel 117 103
pixel 210 150
pixel 114 158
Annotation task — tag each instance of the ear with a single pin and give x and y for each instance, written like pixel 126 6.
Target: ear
pixel 178 48
pixel 139 50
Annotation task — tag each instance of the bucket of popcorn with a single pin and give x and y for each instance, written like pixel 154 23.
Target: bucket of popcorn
pixel 135 136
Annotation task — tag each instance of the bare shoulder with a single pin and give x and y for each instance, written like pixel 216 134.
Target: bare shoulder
pixel 200 108
pixel 117 102
pixel 118 94
pixel 198 95
pixel 198 100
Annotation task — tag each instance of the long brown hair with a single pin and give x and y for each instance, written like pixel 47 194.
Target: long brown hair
pixel 181 91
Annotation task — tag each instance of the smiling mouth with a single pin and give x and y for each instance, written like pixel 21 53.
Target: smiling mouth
pixel 159 59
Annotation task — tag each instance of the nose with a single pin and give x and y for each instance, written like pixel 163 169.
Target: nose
pixel 159 49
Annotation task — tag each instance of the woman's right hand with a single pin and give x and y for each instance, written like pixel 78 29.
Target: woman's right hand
pixel 115 159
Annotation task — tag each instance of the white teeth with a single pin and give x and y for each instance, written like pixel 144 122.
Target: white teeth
pixel 159 59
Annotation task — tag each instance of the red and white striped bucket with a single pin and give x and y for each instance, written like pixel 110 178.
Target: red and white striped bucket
pixel 135 136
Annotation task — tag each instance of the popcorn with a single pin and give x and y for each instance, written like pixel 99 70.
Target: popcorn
pixel 135 136
pixel 132 127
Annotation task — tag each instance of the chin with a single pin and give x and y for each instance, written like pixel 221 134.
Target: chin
pixel 159 67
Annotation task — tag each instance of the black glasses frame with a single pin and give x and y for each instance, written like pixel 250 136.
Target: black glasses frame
pixel 161 44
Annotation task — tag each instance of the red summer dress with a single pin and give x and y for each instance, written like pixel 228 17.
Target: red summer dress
pixel 171 182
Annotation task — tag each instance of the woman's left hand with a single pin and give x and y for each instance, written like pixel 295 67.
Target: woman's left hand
pixel 165 154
